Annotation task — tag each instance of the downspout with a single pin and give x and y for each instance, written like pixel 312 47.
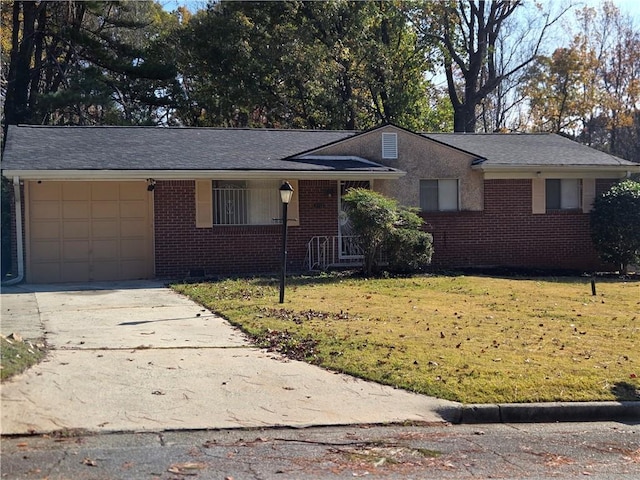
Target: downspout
pixel 17 200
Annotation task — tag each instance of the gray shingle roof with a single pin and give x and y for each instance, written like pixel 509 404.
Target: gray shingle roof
pixel 153 148
pixel 515 150
pixel 183 149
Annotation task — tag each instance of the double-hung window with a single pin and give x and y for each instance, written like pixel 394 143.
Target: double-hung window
pixel 563 194
pixel 439 195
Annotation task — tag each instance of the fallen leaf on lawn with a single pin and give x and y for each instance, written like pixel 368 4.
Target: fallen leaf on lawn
pixel 188 468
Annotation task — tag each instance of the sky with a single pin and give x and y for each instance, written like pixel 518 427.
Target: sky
pixel 628 6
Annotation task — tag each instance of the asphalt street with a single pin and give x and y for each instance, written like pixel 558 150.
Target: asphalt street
pixel 596 450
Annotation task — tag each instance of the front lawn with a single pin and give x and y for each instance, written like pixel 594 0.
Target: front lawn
pixel 17 355
pixel 472 339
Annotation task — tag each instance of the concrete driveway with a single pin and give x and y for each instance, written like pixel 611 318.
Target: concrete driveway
pixel 136 356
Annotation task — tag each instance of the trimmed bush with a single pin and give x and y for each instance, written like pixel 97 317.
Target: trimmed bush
pixel 381 224
pixel 615 225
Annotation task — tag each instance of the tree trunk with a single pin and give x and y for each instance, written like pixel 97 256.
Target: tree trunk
pixel 464 118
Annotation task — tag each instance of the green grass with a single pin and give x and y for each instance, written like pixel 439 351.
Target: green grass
pixel 472 339
pixel 17 356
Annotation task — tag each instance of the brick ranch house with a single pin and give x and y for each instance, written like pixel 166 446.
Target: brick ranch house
pixel 116 203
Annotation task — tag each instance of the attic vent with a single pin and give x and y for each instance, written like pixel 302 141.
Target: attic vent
pixel 389 145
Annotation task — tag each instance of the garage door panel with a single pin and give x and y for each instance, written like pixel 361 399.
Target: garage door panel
pixel 105 249
pixel 79 191
pixel 107 270
pixel 45 191
pixel 75 250
pixel 45 251
pixel 104 209
pixel 46 230
pixel 80 231
pixel 75 272
pixel 105 229
pixel 45 210
pixel 76 230
pixel 133 228
pixel 49 272
pixel 104 191
pixel 133 209
pixel 132 191
pixel 71 210
pixel 132 269
pixel 131 249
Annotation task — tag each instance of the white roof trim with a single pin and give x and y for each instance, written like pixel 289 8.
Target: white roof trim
pixel 496 172
pixel 197 174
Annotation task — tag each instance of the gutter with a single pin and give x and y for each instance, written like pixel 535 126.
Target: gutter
pixel 533 167
pixel 555 171
pixel 123 175
pixel 17 200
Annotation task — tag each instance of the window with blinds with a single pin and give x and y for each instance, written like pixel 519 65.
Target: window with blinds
pixel 439 195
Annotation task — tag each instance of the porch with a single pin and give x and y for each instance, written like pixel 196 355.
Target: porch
pixel 335 252
pixel 326 252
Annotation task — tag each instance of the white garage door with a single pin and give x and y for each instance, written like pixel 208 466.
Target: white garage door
pixel 88 231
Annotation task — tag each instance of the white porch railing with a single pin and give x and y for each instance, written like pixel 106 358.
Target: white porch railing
pixel 326 252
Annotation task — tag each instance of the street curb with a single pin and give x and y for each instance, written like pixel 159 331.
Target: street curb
pixel 549 412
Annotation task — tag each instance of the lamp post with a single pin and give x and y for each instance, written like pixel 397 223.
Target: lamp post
pixel 286 192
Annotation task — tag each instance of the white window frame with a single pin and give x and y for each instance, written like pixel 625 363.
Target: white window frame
pixel 441 192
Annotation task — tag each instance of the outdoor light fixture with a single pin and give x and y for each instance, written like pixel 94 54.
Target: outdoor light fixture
pixel 286 193
pixel 151 184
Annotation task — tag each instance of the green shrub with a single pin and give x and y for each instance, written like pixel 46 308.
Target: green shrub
pixel 383 225
pixel 409 249
pixel 615 225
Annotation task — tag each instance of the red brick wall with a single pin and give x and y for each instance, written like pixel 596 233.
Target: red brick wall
pixel 182 250
pixel 507 234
